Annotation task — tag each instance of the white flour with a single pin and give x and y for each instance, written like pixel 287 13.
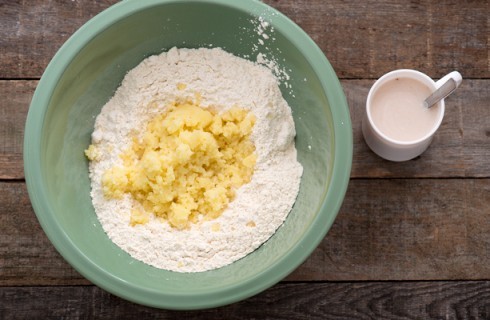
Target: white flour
pixel 222 80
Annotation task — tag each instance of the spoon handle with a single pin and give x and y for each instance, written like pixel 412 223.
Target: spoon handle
pixel 445 86
pixel 445 90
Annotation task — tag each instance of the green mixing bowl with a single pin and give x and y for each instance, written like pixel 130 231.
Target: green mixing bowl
pixel 83 76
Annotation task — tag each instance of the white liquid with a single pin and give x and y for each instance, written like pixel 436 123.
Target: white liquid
pixel 397 110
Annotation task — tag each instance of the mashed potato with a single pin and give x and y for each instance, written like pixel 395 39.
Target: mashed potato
pixel 189 162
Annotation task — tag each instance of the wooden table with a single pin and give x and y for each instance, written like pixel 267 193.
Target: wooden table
pixel 412 240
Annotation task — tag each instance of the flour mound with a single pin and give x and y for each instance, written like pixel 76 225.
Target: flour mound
pixel 222 81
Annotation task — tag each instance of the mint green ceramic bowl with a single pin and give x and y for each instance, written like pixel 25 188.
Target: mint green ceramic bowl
pixel 84 75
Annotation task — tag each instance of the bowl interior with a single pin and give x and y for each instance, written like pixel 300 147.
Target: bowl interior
pixel 84 75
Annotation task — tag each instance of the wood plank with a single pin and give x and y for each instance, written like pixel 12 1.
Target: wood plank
pixel 412 229
pixel 32 31
pixel 460 148
pixel 369 300
pixel 434 37
pixel 16 97
pixel 369 38
pixel 26 254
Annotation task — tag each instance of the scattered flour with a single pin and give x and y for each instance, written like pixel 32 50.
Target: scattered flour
pixel 260 206
pixel 265 54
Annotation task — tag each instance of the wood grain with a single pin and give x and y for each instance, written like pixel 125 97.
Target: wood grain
pixel 14 104
pixel 26 255
pixel 362 40
pixel 460 148
pixel 378 300
pixel 32 31
pixel 391 229
pixel 406 229
pixel 369 38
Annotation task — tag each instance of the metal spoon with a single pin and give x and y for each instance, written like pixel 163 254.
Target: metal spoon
pixel 452 83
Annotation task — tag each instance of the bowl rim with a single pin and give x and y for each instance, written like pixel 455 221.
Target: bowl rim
pixel 314 234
